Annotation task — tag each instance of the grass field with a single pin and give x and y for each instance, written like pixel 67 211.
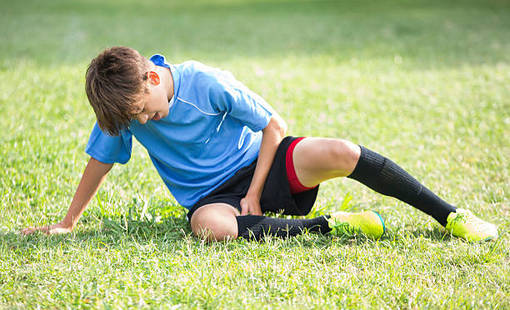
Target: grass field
pixel 425 83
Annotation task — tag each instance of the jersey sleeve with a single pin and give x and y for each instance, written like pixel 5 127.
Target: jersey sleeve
pixel 231 96
pixel 109 149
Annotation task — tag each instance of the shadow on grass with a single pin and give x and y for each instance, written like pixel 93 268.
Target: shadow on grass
pixel 174 232
pixel 436 234
pixel 166 224
pixel 113 232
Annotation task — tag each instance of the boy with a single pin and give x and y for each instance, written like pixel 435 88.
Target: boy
pixel 221 151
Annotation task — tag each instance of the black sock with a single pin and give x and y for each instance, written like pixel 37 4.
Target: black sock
pixel 256 226
pixel 384 176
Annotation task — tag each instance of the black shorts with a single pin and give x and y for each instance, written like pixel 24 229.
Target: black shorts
pixel 276 196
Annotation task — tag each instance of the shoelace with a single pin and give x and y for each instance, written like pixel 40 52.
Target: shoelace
pixel 469 218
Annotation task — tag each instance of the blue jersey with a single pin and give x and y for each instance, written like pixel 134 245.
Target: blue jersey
pixel 213 129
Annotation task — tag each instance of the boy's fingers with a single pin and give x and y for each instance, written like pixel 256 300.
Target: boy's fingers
pixel 31 230
pixel 28 231
pixel 49 230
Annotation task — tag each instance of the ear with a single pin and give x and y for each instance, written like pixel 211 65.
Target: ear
pixel 153 78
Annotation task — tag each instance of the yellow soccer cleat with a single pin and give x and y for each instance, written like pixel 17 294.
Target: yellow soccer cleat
pixel 370 223
pixel 464 224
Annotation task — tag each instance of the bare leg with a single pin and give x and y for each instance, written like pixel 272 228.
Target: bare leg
pixel 215 222
pixel 320 159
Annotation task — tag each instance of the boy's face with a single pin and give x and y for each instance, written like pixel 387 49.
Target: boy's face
pixel 154 103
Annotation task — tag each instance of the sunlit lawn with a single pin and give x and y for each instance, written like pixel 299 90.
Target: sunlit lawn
pixel 425 83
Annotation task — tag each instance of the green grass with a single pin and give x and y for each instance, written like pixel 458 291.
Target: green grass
pixel 423 82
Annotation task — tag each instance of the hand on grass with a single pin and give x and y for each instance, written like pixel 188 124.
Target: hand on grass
pixel 250 205
pixel 58 228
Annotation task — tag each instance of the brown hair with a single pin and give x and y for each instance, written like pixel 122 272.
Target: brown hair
pixel 114 81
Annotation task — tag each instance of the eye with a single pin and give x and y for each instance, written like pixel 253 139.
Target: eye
pixel 135 114
pixel 138 111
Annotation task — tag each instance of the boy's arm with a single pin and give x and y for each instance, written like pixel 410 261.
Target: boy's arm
pixel 93 176
pixel 272 135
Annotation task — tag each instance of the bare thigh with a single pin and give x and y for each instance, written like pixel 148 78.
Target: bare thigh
pixel 215 222
pixel 319 159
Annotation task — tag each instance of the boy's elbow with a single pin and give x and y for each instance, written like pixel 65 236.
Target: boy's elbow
pixel 99 164
pixel 283 128
pixel 278 124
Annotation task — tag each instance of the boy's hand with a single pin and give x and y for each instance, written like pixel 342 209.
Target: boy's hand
pixel 59 228
pixel 93 176
pixel 250 205
pixel 272 136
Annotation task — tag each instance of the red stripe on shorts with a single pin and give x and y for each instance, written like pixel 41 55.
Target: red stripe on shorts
pixel 295 186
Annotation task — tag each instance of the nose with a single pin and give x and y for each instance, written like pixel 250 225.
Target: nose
pixel 143 118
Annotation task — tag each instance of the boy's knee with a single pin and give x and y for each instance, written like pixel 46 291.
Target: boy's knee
pixel 214 226
pixel 346 153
